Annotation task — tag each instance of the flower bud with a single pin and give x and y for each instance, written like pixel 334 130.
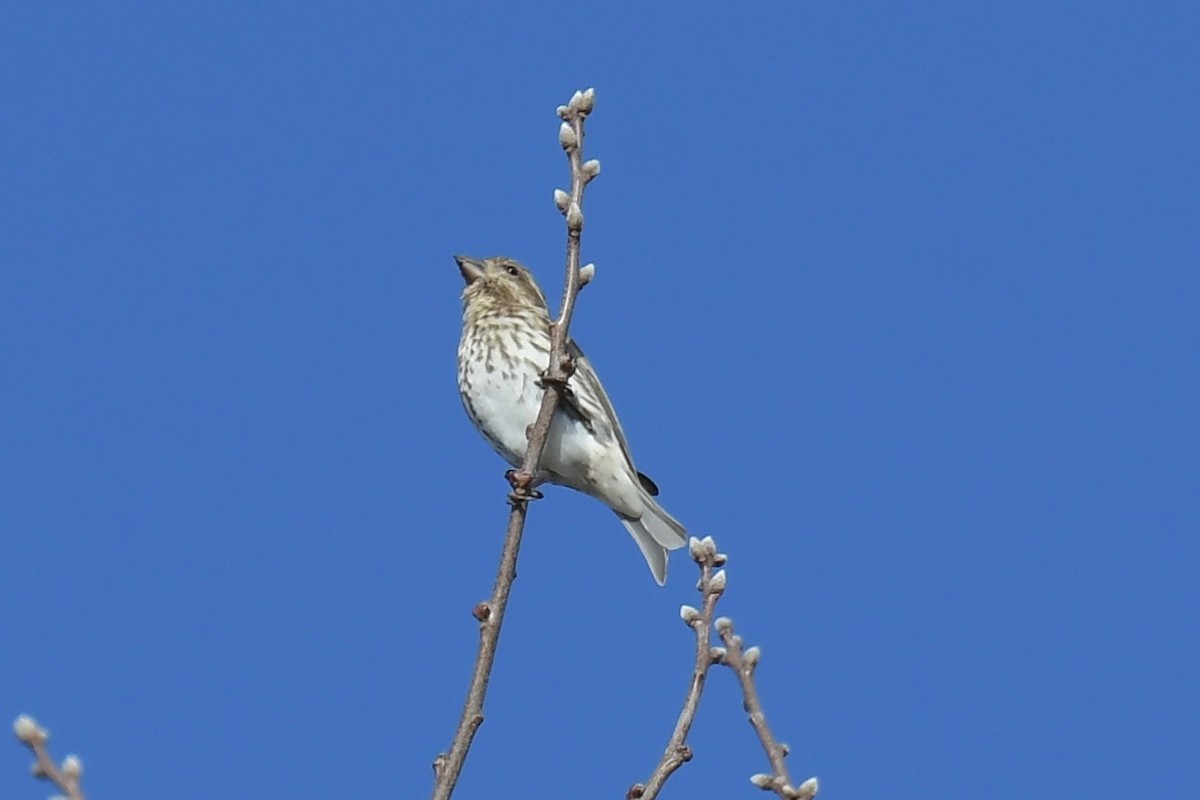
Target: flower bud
pixel 591 168
pixel 762 780
pixel 586 273
pixel 724 625
pixel 808 789
pixel 26 728
pixel 567 137
pixel 574 217
pixel 562 200
pixel 717 654
pixel 588 102
pixel 689 614
pixel 72 767
pixel 717 584
pixel 575 101
pixel 752 655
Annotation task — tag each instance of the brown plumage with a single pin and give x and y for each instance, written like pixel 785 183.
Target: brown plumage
pixel 504 348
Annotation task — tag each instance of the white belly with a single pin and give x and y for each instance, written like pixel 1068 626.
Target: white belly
pixel 506 406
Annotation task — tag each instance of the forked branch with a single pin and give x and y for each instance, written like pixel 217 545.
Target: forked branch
pixel 743 662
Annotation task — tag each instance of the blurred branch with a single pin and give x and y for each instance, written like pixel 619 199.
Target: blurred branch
pixel 743 662
pixel 66 776
pixel 490 613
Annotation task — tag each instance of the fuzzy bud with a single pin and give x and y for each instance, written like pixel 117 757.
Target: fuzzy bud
pixel 562 111
pixel 808 789
pixel 719 560
pixel 696 548
pixel 574 217
pixel 588 101
pixel 72 767
pixel 562 200
pixel 689 614
pixel 717 654
pixel 567 137
pixel 752 655
pixel 724 625
pixel 586 273
pixel 717 584
pixel 710 547
pixel 27 730
pixel 762 780
pixel 590 168
pixel 575 101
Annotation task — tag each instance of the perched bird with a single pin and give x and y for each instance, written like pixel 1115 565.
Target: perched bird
pixel 505 346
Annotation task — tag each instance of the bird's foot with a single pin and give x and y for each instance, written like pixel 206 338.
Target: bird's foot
pixel 523 487
pixel 566 368
pixel 556 381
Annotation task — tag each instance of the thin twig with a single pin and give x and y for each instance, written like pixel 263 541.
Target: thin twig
pixel 711 585
pixel 743 663
pixel 67 776
pixel 448 766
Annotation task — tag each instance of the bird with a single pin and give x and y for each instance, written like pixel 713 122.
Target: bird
pixel 503 351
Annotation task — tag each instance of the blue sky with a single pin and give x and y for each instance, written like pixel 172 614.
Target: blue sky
pixel 898 303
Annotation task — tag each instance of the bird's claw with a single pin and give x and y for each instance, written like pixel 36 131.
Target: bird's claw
pixel 523 488
pixel 566 369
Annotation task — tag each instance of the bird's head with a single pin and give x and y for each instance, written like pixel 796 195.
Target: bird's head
pixel 499 284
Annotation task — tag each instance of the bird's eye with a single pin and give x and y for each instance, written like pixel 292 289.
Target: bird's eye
pixel 511 270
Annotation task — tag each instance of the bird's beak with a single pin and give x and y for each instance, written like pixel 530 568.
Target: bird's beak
pixel 471 269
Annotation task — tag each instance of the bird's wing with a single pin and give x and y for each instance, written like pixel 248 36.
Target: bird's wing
pixel 592 388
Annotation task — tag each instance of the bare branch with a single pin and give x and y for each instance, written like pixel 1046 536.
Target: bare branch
pixel 448 766
pixel 66 776
pixel 704 553
pixel 743 662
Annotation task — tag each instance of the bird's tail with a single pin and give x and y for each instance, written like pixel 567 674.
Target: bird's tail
pixel 656 532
